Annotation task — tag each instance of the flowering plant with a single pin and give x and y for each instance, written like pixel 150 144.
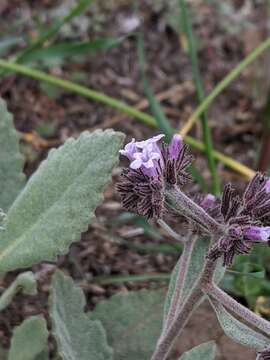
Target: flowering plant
pixel 152 186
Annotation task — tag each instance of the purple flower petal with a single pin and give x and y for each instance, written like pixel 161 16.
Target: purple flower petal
pixel 267 186
pixel 129 150
pixel 152 140
pixel 175 146
pixel 257 233
pixel 208 201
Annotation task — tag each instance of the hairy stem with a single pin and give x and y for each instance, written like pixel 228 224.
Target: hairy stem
pixel 180 281
pixel 166 341
pixel 183 205
pixel 231 304
pixel 171 232
pixel 184 312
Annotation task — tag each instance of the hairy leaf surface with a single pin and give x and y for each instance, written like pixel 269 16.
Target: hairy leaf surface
pixel 205 351
pixel 29 341
pixel 133 322
pixel 59 200
pixel 195 267
pixel 12 178
pixel 77 336
pixel 238 331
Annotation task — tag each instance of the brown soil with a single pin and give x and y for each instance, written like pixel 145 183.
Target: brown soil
pixel 235 117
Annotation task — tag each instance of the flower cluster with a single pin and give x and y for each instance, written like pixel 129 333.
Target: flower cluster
pixel 158 170
pixel 152 168
pixel 244 219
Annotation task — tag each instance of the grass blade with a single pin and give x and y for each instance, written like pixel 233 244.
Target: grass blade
pixel 53 30
pixel 187 27
pixel 228 79
pixel 118 105
pixel 69 49
pixel 160 118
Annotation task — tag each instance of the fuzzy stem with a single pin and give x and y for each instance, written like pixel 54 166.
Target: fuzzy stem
pixel 166 341
pixel 180 281
pixel 183 205
pixel 183 314
pixel 231 304
pixel 171 232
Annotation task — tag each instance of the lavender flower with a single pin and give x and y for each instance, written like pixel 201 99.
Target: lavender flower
pixel 152 168
pixel 256 199
pixel 242 226
pixel 176 160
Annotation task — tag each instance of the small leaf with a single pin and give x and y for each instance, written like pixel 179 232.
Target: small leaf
pixel 195 267
pixel 238 331
pixel 59 200
pixel 29 340
pixel 25 281
pixel 77 337
pixel 205 351
pixel 133 323
pixel 11 162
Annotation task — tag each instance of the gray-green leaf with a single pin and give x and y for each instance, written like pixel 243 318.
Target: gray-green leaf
pixel 25 281
pixel 12 178
pixel 238 331
pixel 77 336
pixel 205 351
pixel 29 340
pixel 195 267
pixel 133 323
pixel 59 200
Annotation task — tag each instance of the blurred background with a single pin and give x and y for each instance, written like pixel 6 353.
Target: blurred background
pixel 156 61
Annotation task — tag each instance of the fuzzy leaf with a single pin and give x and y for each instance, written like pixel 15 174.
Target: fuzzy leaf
pixel 205 351
pixel 195 268
pixel 59 200
pixel 77 336
pixel 25 281
pixel 12 178
pixel 29 340
pixel 238 331
pixel 133 323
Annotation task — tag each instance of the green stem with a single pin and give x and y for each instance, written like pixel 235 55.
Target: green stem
pixel 207 137
pixel 119 105
pixel 224 83
pixel 78 89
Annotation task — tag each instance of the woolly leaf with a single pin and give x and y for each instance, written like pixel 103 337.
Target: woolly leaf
pixel 25 281
pixel 195 267
pixel 205 351
pixel 238 331
pixel 29 340
pixel 133 323
pixel 77 336
pixel 11 162
pixel 59 200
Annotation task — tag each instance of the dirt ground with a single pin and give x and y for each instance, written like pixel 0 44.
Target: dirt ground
pixel 108 248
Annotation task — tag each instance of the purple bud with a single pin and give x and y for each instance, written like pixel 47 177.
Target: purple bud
pixel 208 201
pixel 257 233
pixel 175 146
pixel 267 186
